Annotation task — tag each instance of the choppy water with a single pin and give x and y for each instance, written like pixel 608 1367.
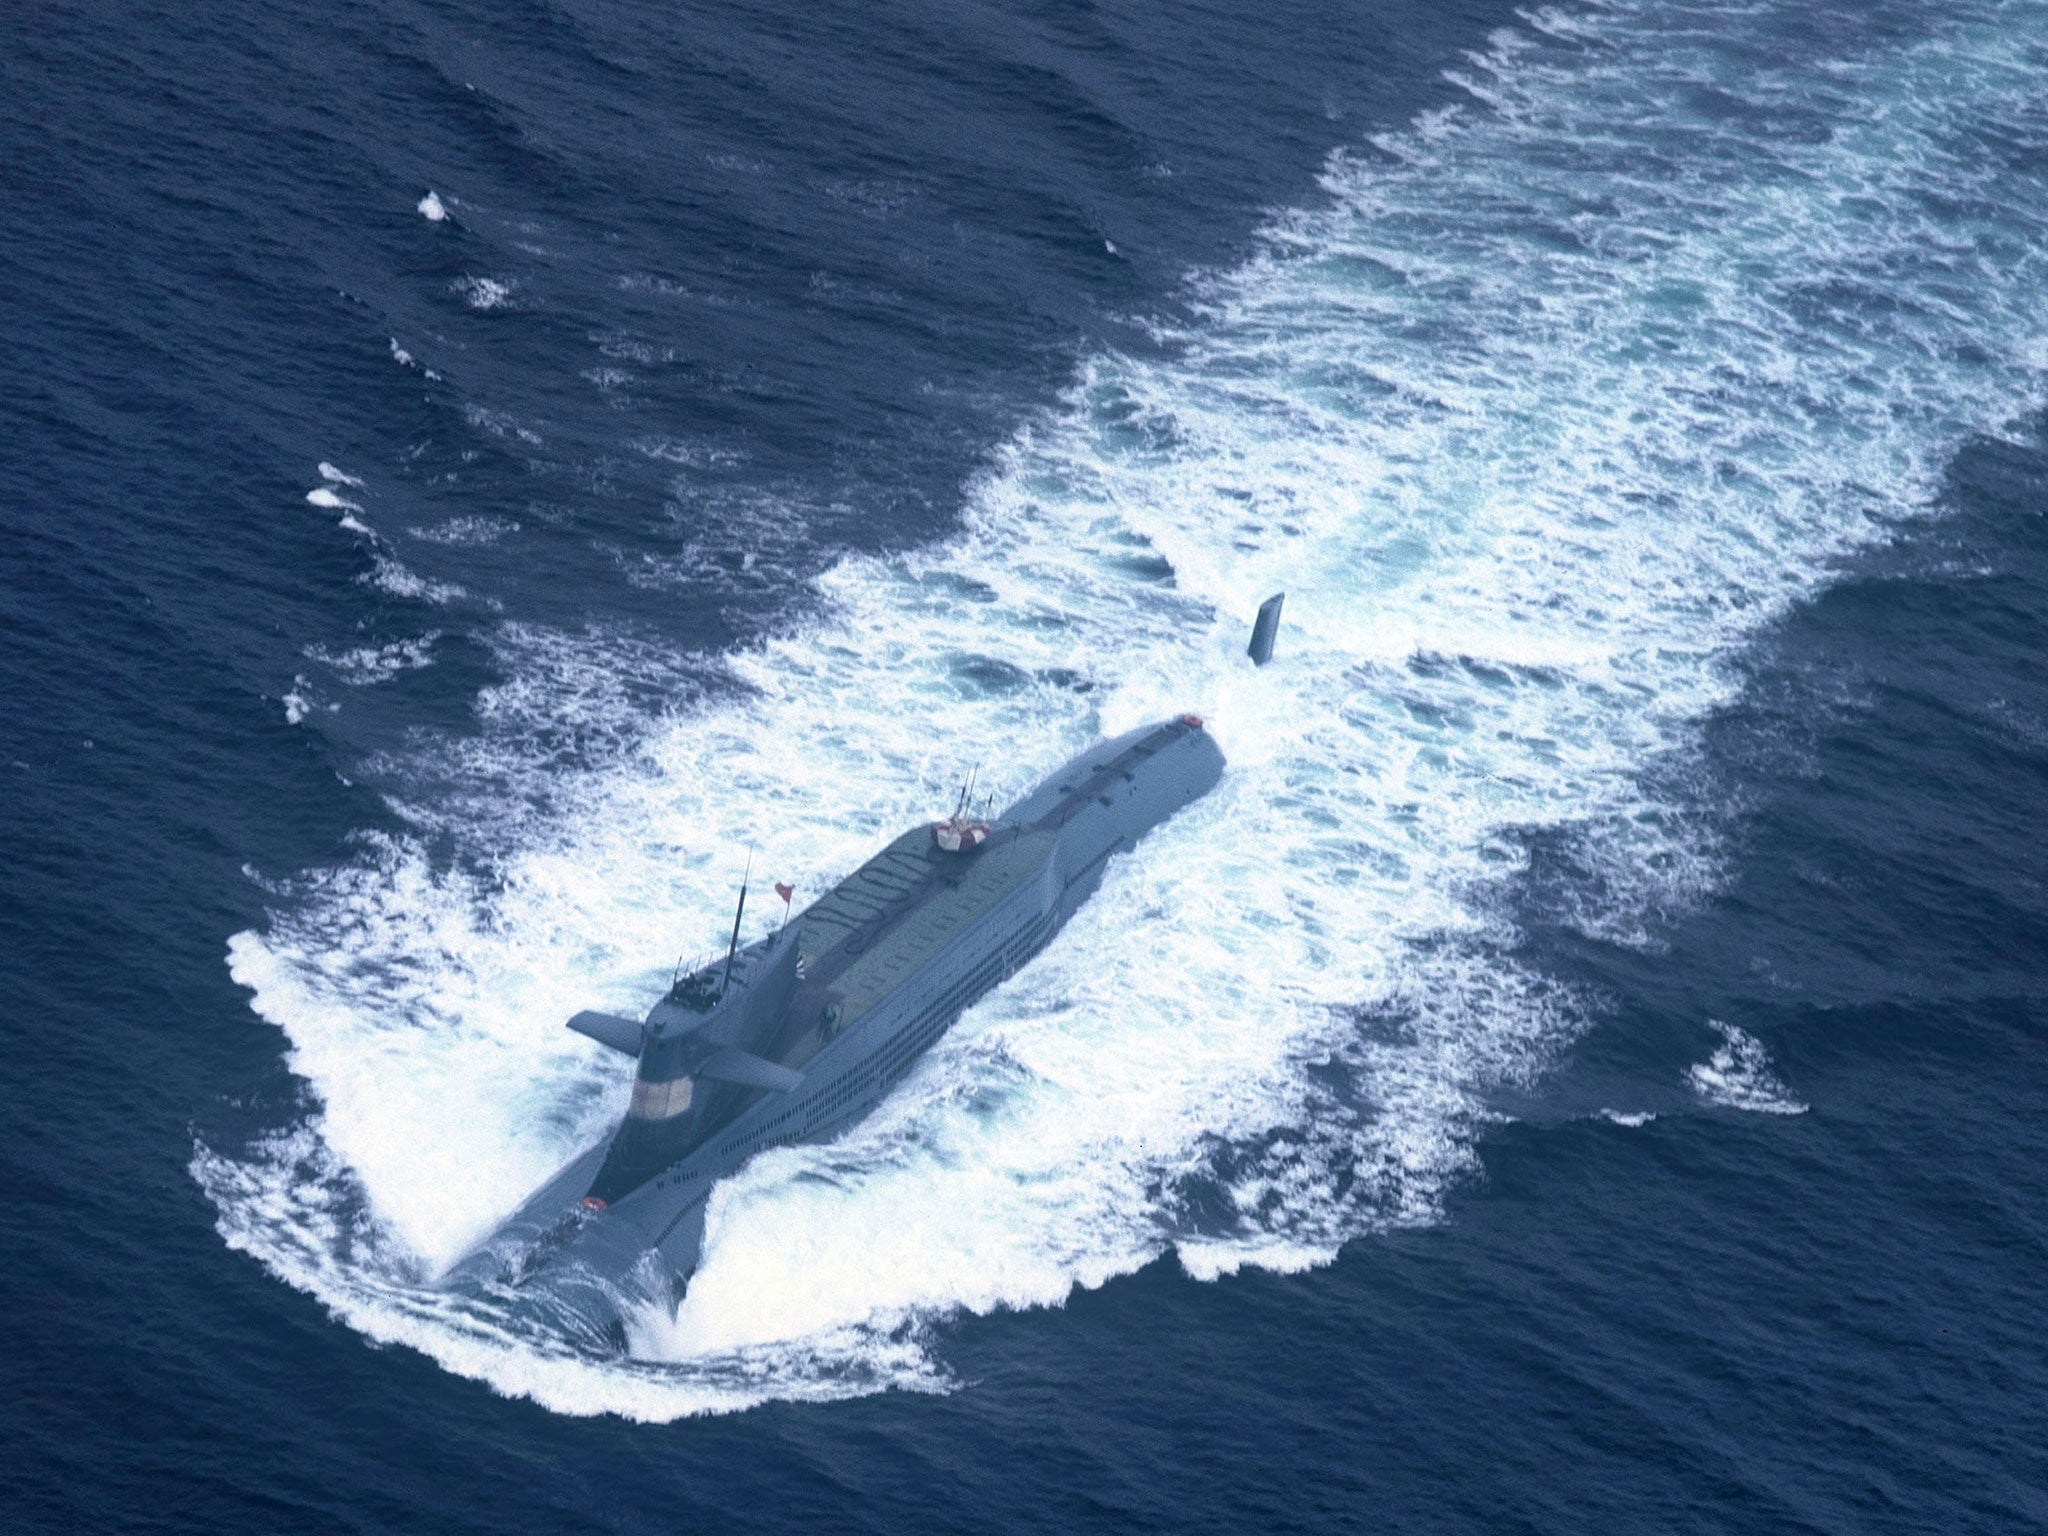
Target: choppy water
pixel 1581 1067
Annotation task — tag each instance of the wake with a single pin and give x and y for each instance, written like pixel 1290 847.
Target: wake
pixel 1549 406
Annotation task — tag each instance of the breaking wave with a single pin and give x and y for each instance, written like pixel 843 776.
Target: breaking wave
pixel 1738 1076
pixel 1551 404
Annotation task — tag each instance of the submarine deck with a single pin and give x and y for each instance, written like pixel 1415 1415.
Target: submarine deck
pixel 902 908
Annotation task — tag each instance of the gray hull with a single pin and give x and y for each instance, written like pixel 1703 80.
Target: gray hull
pixel 881 966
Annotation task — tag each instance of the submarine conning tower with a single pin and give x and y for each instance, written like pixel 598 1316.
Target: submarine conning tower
pixel 697 1062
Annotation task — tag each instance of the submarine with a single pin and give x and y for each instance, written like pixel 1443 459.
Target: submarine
pixel 796 1036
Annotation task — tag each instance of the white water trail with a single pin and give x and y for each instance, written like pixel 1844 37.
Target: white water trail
pixel 1547 408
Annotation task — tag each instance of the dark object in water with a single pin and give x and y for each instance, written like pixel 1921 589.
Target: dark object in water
pixel 1264 628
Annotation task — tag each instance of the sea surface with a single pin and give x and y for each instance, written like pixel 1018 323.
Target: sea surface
pixel 469 475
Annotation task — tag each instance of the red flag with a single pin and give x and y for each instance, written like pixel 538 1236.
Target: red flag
pixel 784 891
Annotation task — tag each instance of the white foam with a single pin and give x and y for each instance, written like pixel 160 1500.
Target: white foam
pixel 484 293
pixel 404 359
pixel 1738 1076
pixel 468 530
pixel 1535 430
pixel 432 209
pixel 393 576
pixel 299 703
pixel 500 424
pixel 370 664
pixel 695 455
pixel 1633 1119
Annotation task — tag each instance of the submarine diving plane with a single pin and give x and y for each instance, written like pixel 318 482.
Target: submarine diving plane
pixel 797 1035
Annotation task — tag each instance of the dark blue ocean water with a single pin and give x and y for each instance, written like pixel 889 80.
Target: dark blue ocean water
pixel 465 474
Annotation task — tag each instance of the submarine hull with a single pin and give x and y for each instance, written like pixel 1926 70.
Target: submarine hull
pixel 887 960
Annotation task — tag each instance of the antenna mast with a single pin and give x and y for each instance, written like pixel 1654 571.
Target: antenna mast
pixel 733 948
